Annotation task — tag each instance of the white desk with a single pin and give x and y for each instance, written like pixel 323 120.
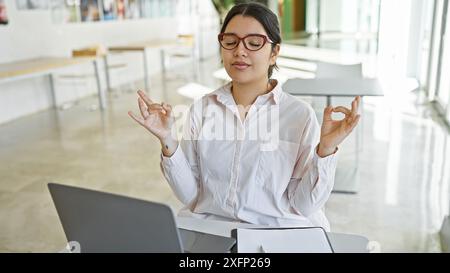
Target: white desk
pixel 333 87
pixel 341 243
pixel 46 66
pixel 337 87
pixel 142 47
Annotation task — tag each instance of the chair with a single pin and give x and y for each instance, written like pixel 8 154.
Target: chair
pixel 333 70
pixel 330 70
pixel 184 50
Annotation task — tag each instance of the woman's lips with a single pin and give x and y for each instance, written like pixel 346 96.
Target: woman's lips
pixel 240 66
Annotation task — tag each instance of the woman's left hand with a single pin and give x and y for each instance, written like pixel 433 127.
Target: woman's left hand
pixel 333 132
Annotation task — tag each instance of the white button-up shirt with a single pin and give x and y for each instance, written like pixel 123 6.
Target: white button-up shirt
pixel 264 170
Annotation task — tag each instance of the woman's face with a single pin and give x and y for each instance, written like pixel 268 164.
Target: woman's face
pixel 241 64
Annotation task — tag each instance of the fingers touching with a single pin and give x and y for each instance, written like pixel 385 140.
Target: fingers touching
pixel 147 108
pixel 350 114
pixel 342 109
pixel 167 108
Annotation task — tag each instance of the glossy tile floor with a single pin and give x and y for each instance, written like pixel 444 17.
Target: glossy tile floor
pixel 403 174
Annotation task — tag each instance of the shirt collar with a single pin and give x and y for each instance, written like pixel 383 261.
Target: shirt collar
pixel 224 96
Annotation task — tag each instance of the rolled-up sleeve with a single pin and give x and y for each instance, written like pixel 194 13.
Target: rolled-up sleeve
pixel 181 169
pixel 313 177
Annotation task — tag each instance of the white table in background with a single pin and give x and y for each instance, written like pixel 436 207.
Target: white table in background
pixel 333 87
pixel 142 47
pixel 46 66
pixel 337 87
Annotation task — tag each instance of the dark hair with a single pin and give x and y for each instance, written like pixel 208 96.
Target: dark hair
pixel 265 17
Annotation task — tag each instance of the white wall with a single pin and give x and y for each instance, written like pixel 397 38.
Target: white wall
pixel 331 15
pixel 416 37
pixel 208 27
pixel 311 15
pixel 32 34
pixel 400 37
pixel 335 15
pixel 349 16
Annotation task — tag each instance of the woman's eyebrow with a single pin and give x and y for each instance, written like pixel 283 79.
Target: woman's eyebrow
pixel 252 33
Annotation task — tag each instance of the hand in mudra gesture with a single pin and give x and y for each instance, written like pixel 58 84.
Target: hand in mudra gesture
pixel 155 117
pixel 333 132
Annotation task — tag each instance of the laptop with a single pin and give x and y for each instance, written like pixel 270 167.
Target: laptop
pixel 103 222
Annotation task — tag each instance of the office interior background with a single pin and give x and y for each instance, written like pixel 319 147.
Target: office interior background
pixel 63 118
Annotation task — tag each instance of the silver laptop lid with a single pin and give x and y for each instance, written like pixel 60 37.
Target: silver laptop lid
pixel 103 222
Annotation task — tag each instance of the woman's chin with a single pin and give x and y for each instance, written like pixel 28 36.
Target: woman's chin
pixel 241 79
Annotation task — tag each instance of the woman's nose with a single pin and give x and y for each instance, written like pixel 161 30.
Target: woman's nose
pixel 240 50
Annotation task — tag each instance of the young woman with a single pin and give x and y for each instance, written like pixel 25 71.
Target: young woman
pixel 242 178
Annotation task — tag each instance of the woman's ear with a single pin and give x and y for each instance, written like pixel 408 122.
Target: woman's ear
pixel 275 53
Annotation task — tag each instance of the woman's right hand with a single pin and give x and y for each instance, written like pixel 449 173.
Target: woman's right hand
pixel 155 117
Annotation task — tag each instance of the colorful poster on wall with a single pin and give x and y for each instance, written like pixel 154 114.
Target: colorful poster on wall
pixel 133 11
pixel 109 10
pixel 166 8
pixel 72 11
pixel 145 7
pixel 121 9
pixel 3 14
pixel 89 10
pixel 32 4
pixel 160 8
pixel 57 9
pixel 155 9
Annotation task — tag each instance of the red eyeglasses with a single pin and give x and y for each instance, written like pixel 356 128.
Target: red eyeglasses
pixel 252 42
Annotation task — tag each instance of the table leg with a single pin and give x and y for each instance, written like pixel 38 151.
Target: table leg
pixel 445 234
pixel 146 80
pixel 52 89
pixel 357 147
pixel 163 62
pixel 348 180
pixel 108 81
pixel 328 100
pixel 195 62
pixel 101 94
pixel 359 134
pixel 362 124
pixel 358 138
